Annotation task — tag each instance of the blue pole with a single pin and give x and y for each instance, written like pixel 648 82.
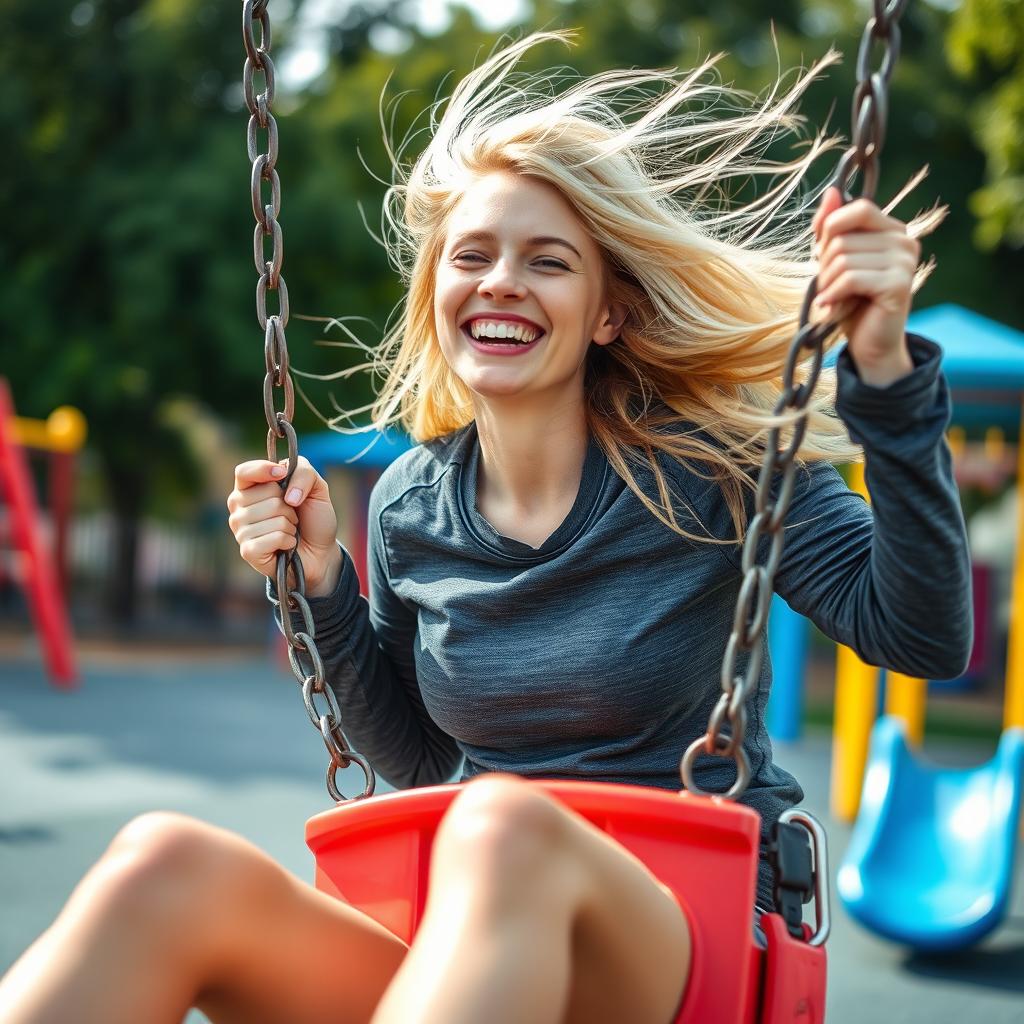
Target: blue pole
pixel 787 643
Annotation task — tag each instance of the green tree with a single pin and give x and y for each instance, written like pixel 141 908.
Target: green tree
pixel 127 221
pixel 127 224
pixel 986 43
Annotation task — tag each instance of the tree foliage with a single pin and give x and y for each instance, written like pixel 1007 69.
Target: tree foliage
pixel 127 222
pixel 986 43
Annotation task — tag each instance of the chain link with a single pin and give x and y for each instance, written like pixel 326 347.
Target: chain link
pixel 306 664
pixel 728 723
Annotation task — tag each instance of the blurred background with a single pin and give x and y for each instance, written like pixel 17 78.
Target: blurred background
pixel 131 386
pixel 128 287
pixel 128 283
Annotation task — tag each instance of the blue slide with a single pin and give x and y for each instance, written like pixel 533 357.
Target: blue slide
pixel 930 861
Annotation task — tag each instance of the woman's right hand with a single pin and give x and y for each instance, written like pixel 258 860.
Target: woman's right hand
pixel 264 521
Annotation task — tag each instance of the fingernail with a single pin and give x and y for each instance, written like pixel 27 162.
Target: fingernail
pixel 278 471
pixel 293 495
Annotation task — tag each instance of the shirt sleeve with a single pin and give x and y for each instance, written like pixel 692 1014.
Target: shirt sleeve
pixel 368 652
pixel 890 580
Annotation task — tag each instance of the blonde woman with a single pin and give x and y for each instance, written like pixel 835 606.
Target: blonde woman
pixel 590 344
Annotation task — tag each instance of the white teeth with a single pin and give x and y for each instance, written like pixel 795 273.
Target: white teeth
pixel 492 329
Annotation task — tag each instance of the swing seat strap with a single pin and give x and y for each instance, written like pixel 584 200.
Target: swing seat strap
pixel 789 853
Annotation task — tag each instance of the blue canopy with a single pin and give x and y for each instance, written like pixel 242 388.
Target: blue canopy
pixel 983 361
pixel 978 354
pixel 371 450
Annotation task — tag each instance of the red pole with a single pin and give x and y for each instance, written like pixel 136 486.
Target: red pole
pixel 5 535
pixel 39 578
pixel 360 534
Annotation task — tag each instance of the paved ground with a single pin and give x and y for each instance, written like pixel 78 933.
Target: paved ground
pixel 227 740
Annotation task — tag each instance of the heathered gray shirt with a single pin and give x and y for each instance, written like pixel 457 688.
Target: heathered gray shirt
pixel 597 655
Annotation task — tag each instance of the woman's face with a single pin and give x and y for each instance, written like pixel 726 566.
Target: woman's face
pixel 516 257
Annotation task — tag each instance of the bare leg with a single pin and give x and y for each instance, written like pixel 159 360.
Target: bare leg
pixel 178 913
pixel 535 915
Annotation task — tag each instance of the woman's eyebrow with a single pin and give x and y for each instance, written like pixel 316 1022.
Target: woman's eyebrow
pixel 487 236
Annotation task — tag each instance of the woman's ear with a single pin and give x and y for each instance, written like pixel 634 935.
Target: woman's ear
pixel 611 326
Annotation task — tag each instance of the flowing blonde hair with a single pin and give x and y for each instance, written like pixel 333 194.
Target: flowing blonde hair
pixel 713 293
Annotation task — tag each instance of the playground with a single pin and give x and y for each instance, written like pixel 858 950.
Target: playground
pixel 173 732
pixel 892 890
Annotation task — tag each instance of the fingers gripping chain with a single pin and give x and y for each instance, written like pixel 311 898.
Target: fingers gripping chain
pixel 870 109
pixel 302 648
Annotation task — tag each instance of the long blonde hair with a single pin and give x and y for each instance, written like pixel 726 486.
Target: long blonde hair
pixel 713 293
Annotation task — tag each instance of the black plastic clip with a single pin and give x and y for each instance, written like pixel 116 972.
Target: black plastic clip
pixel 789 852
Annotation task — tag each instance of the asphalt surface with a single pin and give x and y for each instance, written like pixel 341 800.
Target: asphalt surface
pixel 227 740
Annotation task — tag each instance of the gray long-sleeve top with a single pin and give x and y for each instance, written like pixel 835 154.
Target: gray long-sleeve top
pixel 597 656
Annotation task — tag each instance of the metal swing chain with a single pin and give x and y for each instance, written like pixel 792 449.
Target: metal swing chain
pixel 728 723
pixel 301 643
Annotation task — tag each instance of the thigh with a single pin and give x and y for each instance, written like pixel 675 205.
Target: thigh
pixel 631 940
pixel 278 951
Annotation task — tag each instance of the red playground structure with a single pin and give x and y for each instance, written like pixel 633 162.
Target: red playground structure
pixel 40 572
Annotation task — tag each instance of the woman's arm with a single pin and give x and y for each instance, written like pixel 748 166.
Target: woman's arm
pixel 891 580
pixel 367 649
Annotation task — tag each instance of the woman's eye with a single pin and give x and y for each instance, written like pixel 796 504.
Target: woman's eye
pixel 544 262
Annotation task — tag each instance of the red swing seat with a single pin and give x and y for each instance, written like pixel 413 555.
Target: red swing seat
pixel 375 855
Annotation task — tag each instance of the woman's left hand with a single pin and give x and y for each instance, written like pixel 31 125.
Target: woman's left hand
pixel 866 264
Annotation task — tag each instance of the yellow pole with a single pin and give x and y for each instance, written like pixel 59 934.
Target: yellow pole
pixel 1014 711
pixel 855 705
pixel 995 444
pixel 905 698
pixel 856 696
pixel 956 438
pixel 63 430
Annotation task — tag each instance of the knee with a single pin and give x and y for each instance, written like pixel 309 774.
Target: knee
pixel 163 841
pixel 164 862
pixel 500 826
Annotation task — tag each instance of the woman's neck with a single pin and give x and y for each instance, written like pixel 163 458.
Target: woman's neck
pixel 531 460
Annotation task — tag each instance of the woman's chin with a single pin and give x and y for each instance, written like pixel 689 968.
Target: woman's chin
pixel 492 388
pixel 494 382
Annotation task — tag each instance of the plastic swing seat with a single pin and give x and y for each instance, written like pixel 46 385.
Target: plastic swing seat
pixel 375 855
pixel 930 861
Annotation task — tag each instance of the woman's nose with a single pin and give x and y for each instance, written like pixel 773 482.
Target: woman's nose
pixel 502 279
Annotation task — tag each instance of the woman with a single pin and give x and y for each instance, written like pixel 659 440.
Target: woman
pixel 588 353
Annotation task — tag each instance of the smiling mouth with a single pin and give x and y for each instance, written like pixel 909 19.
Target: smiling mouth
pixel 500 343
